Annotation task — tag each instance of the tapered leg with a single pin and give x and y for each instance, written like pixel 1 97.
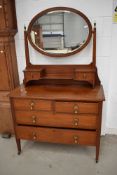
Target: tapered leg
pixel 97 152
pixel 18 146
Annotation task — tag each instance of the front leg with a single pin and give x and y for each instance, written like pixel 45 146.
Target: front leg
pixel 18 146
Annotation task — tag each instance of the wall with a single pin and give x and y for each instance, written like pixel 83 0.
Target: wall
pixel 99 11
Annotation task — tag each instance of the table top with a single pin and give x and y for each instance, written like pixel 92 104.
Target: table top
pixel 59 92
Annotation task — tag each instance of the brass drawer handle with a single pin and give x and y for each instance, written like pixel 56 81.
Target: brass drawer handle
pixel 32 105
pixel 76 121
pixel 75 107
pixel 76 138
pixel 0 6
pixel 34 136
pixel 34 119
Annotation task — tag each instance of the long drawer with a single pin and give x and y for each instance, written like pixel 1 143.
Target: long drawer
pixel 41 118
pixel 76 107
pixel 27 104
pixel 53 135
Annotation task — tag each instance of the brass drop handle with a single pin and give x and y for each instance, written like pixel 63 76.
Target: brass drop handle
pixel 75 109
pixel 32 105
pixel 34 119
pixel 76 140
pixel 34 136
pixel 76 121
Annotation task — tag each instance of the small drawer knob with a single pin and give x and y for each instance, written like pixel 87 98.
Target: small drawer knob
pixel 1 51
pixel 34 136
pixel 32 105
pixel 75 109
pixel 75 112
pixel 0 6
pixel 76 140
pixel 76 123
pixel 33 119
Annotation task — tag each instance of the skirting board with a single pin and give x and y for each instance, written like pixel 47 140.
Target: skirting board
pixel 111 131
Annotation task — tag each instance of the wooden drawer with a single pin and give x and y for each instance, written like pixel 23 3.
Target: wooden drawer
pixel 87 76
pixel 26 104
pixel 32 75
pixel 84 121
pixel 76 107
pixel 53 135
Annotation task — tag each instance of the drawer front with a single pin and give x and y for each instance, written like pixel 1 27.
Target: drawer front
pixel 56 120
pixel 26 104
pixel 52 135
pixel 32 75
pixel 84 76
pixel 76 107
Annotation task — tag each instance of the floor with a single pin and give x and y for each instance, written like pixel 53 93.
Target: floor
pixel 56 159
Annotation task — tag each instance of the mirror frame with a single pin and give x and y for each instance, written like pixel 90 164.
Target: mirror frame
pixel 59 54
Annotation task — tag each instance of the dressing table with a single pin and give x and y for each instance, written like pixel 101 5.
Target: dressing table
pixel 59 103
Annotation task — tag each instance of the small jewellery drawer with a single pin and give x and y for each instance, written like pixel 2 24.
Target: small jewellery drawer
pixel 84 76
pixel 32 75
pixel 53 135
pixel 76 107
pixel 41 118
pixel 26 104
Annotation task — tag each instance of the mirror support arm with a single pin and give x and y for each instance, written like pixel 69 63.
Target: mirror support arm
pixel 26 48
pixel 94 45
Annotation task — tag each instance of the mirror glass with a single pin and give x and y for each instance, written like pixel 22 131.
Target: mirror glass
pixel 59 32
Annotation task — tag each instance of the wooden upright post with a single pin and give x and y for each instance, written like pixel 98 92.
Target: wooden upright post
pixel 94 45
pixel 26 47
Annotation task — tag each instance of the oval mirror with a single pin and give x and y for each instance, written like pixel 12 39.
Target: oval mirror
pixel 59 31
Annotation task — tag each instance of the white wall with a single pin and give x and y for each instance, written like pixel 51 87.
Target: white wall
pixel 99 11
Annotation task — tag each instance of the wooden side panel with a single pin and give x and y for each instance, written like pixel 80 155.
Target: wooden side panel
pixel 2 15
pixel 7 15
pixel 6 123
pixel 14 67
pixel 4 79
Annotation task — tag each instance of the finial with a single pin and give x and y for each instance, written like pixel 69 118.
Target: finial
pixel 94 24
pixel 24 27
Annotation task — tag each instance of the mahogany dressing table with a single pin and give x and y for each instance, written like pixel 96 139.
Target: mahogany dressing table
pixel 59 103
